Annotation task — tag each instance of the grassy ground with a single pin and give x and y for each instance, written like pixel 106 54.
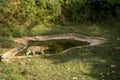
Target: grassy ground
pixel 88 63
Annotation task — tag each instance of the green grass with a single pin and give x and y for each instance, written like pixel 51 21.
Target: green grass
pixel 89 63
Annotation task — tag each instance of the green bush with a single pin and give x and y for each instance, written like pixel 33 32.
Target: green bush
pixel 29 11
pixel 80 10
pixel 6 42
pixel 24 12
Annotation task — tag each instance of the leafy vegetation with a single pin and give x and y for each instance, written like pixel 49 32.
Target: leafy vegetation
pixel 27 12
pixel 21 18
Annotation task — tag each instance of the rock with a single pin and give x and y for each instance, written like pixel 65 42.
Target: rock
pixel 113 66
pixel 75 78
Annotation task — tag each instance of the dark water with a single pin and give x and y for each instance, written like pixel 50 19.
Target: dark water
pixel 55 46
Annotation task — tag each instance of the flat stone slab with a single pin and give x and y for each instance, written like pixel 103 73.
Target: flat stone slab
pixel 23 42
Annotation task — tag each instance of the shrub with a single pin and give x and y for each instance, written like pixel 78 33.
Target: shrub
pixel 23 12
pixel 6 42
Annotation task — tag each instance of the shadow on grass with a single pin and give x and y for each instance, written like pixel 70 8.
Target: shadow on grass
pixel 104 61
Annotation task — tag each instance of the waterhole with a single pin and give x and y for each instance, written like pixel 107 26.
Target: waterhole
pixel 55 46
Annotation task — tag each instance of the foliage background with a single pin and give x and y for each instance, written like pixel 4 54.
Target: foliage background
pixel 26 12
pixel 18 16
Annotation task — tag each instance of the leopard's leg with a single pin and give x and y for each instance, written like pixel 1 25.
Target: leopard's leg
pixel 42 52
pixel 33 53
pixel 28 52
